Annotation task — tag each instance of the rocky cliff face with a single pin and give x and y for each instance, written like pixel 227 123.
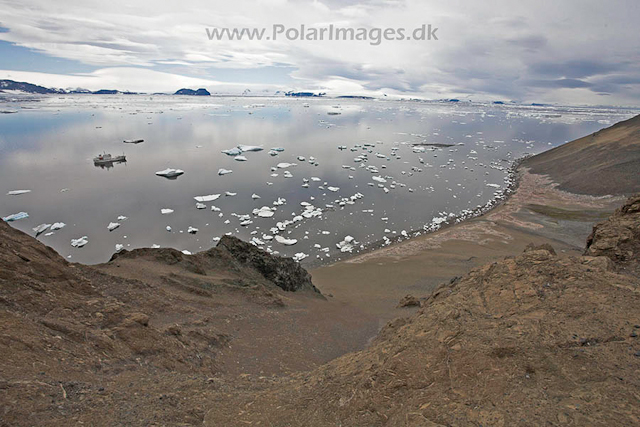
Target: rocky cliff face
pixel 619 237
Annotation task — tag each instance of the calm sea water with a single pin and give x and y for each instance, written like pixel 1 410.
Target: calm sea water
pixel 47 147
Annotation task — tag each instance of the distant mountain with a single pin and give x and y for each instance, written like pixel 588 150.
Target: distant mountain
pixel 191 92
pixel 26 87
pixel 10 85
pixel 605 162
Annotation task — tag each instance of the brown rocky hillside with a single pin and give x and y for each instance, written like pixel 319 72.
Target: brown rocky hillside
pixel 532 340
pixel 605 162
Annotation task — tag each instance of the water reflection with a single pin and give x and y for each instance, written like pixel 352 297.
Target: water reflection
pixel 466 151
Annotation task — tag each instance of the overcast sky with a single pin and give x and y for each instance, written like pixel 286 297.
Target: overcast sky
pixel 563 51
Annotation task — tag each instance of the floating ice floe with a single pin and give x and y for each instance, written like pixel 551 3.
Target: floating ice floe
pixel 223 171
pixel 287 174
pixel 230 194
pixel 240 158
pixel 209 198
pixel 299 256
pixel 192 230
pixel 168 228
pixel 41 229
pixel 80 242
pixel 215 209
pixel 256 242
pixel 170 173
pixel 264 212
pixel 133 141
pixel 201 206
pixel 119 247
pixel 166 211
pixel 347 244
pixel 186 252
pixel 379 179
pixel 113 225
pixel 254 196
pixel 285 165
pixel 122 218
pixel 235 151
pixel 18 192
pixel 244 148
pixel 277 149
pixel 333 189
pixel 284 241
pixel 57 226
pixel 15 217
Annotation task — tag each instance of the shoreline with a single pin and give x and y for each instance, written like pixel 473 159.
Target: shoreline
pixel 513 179
pixel 535 211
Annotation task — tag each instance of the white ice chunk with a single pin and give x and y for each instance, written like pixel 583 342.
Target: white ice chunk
pixel 347 244
pixel 209 198
pixel 41 229
pixel 15 217
pixel 80 242
pixel 284 241
pixel 244 148
pixel 170 173
pixel 57 226
pixel 285 165
pixel 232 151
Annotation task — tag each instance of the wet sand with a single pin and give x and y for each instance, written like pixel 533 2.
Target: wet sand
pixel 537 212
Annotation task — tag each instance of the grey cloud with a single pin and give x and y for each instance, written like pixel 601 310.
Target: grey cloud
pixel 576 68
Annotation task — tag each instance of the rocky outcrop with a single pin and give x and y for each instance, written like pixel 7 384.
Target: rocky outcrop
pixel 244 259
pixel 283 272
pixel 618 238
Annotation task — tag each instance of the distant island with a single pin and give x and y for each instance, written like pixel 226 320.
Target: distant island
pixel 191 92
pixel 304 94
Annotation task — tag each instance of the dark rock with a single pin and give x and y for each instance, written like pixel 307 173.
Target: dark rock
pixel 283 272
